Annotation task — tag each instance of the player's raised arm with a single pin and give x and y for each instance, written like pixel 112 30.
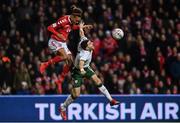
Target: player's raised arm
pixel 83 27
pixel 81 31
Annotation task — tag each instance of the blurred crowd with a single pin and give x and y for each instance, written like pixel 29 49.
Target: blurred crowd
pixel 145 61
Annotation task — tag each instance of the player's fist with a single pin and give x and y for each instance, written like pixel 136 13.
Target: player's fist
pixel 81 25
pixel 88 27
pixel 83 71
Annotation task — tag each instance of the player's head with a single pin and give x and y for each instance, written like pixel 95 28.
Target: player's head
pixel 87 45
pixel 76 14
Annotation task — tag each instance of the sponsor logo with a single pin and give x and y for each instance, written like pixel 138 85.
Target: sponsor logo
pixel 102 111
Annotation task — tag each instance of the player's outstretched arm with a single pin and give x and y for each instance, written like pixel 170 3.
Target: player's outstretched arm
pixel 82 27
pixel 81 31
pixel 87 28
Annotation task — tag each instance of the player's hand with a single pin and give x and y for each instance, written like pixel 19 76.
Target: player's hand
pixel 81 25
pixel 83 71
pixel 88 27
pixel 61 36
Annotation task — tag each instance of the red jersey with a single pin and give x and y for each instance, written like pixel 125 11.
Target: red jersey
pixel 62 26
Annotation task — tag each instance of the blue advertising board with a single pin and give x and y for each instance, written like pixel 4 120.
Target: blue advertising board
pixel 91 108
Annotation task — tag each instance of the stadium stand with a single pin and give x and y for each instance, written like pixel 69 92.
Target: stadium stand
pixel 145 61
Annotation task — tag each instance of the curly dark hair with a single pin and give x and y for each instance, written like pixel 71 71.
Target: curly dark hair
pixel 76 11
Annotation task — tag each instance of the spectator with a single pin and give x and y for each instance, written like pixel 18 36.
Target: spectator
pixel 97 44
pixel 148 88
pixel 109 44
pixel 175 68
pixel 24 89
pixel 161 88
pixel 20 76
pixel 128 89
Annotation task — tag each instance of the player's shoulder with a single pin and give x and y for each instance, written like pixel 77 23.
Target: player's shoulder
pixel 83 38
pixel 65 18
pixel 84 52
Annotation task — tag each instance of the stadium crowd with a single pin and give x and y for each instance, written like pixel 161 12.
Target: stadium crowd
pixel 146 60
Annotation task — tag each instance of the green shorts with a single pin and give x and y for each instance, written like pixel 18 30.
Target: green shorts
pixel 78 77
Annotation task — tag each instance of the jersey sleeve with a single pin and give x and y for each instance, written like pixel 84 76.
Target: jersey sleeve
pixel 84 55
pixel 60 23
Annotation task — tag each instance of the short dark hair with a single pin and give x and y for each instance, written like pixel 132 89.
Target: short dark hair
pixel 84 44
pixel 76 11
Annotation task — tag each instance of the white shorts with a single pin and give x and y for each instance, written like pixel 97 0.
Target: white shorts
pixel 55 45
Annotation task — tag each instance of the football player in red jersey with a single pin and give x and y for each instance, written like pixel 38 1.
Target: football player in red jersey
pixel 57 43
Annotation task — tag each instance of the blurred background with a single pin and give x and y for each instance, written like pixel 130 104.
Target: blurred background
pixel 145 61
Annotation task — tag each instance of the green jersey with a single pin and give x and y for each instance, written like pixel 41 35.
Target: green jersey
pixel 82 54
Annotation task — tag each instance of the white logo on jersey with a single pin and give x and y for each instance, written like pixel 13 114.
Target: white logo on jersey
pixel 61 21
pixel 76 81
pixel 54 25
pixel 68 30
